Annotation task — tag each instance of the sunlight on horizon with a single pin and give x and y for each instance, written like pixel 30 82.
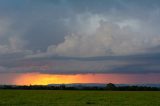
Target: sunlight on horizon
pixel 45 79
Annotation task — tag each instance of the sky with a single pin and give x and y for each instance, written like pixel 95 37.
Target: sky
pixel 79 41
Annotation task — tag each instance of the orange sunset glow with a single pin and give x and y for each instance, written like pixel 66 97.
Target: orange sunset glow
pixel 44 79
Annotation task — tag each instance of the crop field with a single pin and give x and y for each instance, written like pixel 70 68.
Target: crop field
pixel 78 98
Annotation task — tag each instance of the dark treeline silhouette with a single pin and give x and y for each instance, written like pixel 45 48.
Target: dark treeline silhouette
pixel 112 87
pixel 109 87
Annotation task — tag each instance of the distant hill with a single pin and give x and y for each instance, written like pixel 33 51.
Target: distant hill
pixel 103 85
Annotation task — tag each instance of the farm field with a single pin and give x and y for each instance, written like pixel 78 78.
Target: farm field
pixel 78 98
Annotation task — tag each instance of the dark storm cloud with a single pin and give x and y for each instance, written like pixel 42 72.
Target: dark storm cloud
pixel 79 36
pixel 42 23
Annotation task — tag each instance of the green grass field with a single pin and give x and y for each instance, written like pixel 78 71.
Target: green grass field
pixel 77 98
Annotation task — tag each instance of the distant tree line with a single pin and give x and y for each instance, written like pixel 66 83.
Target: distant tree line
pixel 112 87
pixel 109 87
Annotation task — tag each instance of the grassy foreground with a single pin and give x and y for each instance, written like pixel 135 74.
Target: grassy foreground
pixel 78 98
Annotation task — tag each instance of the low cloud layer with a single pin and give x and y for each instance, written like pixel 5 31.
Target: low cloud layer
pixel 142 64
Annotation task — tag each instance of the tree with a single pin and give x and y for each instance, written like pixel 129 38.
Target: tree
pixel 110 86
pixel 62 87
